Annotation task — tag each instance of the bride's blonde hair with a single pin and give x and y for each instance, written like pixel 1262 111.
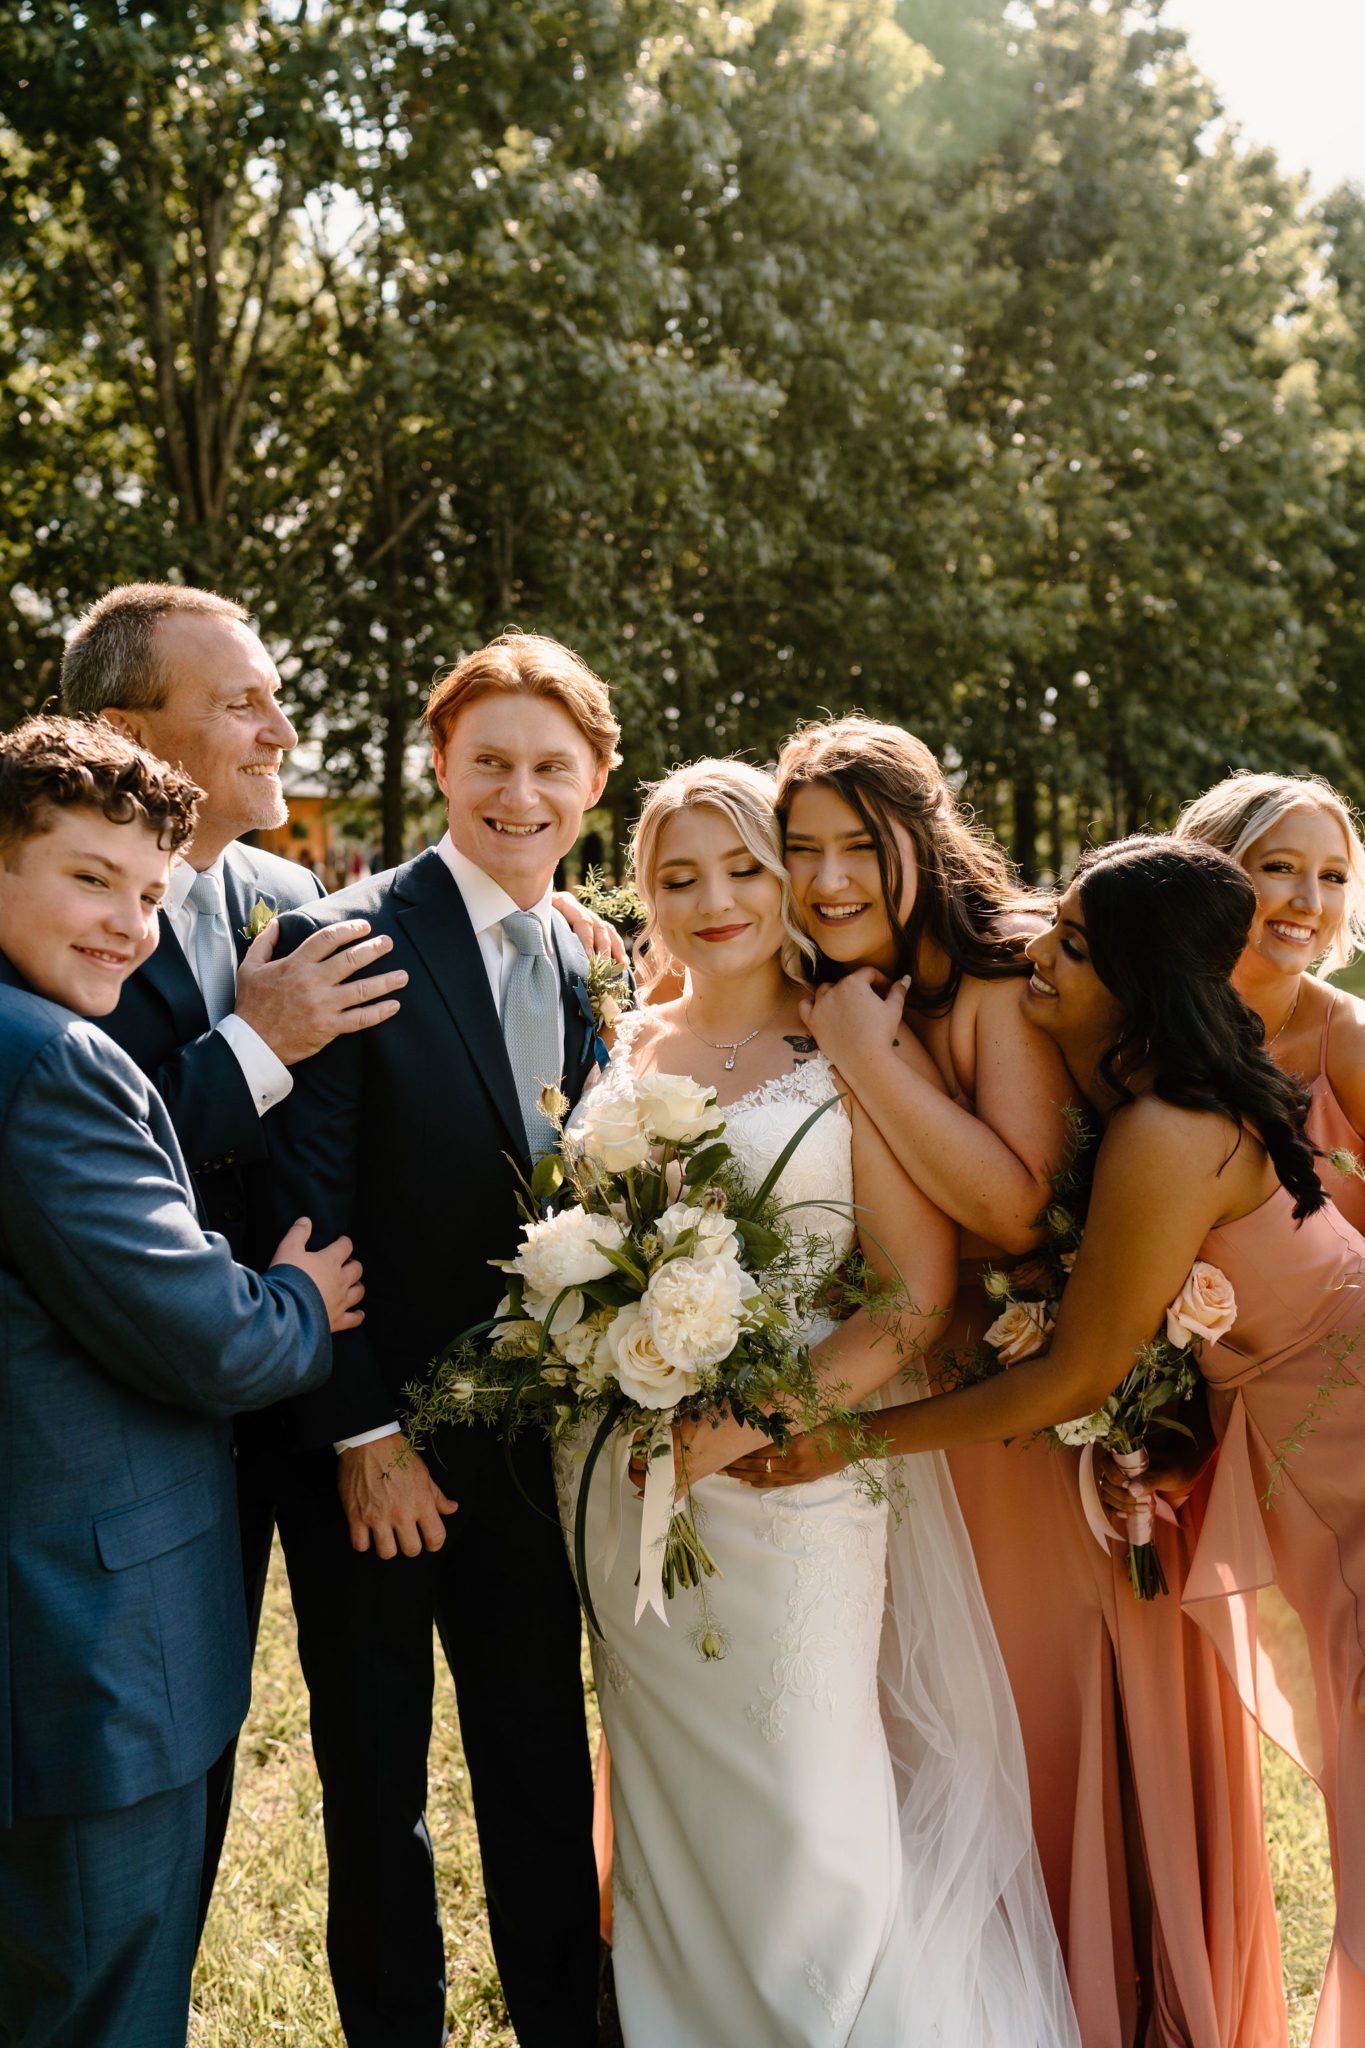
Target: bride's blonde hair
pixel 1241 809
pixel 747 797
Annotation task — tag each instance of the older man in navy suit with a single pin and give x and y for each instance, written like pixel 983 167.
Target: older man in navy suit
pixel 127 1338
pixel 213 1018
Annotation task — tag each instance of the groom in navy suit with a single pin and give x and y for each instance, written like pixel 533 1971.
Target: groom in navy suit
pixel 127 1338
pixel 215 1021
pixel 409 1139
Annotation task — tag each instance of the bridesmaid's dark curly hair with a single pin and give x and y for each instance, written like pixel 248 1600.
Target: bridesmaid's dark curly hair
pixel 1166 921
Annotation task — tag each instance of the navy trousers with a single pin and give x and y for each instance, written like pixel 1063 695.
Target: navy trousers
pixel 97 1925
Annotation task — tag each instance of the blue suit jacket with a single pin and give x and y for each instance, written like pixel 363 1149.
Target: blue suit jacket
pixel 127 1338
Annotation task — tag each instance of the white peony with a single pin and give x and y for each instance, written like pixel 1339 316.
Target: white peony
pixel 611 1133
pixel 562 1251
pixel 675 1109
pixel 695 1309
pixel 717 1235
pixel 566 1315
pixel 642 1373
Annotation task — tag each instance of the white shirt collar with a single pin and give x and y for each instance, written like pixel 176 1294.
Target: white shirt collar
pixel 182 881
pixel 487 902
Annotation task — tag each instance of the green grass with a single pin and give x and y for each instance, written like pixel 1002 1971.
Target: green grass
pixel 262 1974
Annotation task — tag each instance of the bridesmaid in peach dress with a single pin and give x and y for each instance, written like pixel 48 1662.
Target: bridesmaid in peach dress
pixel 1301 848
pixel 1204 1158
pixel 1143 1770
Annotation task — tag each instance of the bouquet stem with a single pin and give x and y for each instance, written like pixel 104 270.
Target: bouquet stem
pixel 1145 1575
pixel 687 1561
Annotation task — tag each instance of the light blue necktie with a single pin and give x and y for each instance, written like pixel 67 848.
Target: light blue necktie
pixel 530 1024
pixel 214 957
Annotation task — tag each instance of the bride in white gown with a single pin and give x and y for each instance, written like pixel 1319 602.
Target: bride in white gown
pixel 822 1840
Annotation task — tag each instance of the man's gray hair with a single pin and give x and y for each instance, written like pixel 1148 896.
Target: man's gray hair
pixel 110 661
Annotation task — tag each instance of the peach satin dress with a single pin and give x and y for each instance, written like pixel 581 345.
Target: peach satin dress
pixel 1129 1723
pixel 1281 1587
pixel 1331 1130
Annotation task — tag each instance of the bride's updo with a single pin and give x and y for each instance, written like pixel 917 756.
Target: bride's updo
pixel 747 797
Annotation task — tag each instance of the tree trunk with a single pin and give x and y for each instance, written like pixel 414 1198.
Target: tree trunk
pixel 1025 839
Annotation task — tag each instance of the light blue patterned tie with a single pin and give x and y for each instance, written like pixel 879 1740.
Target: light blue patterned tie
pixel 214 959
pixel 530 1024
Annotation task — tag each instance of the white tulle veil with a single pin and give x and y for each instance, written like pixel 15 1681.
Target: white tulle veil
pixel 977 1961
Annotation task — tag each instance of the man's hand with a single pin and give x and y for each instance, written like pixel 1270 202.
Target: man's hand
pixel 299 1004
pixel 390 1499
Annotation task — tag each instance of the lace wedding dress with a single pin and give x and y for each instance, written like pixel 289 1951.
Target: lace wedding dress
pixel 823 1840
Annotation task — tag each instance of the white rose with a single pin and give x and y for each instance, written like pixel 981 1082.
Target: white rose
pixel 642 1373
pixel 695 1309
pixel 1021 1332
pixel 1205 1308
pixel 675 1109
pixel 562 1251
pixel 611 1133
pixel 717 1235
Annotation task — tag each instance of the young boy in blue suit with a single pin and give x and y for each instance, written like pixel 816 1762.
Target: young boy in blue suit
pixel 128 1337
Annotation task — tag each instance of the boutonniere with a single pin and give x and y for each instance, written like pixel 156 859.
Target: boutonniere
pixel 263 912
pixel 607 986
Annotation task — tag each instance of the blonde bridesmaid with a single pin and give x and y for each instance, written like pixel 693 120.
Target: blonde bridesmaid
pixel 1300 845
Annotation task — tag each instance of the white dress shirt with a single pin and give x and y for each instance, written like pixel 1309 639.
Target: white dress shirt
pixel 268 1078
pixel 487 903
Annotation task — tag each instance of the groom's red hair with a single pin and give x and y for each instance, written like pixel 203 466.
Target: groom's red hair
pixel 528 665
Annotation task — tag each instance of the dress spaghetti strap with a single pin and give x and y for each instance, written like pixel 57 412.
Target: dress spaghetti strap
pixel 1326 1027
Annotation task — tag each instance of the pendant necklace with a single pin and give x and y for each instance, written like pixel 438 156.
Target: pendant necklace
pixel 730 1045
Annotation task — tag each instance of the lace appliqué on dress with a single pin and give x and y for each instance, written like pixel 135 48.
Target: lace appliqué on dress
pixel 840 2002
pixel 834 1609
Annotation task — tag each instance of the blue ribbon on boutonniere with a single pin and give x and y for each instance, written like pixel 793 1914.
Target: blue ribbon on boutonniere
pixel 593 1043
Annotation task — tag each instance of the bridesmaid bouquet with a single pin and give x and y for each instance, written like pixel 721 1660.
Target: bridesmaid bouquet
pixel 1162 1377
pixel 653 1286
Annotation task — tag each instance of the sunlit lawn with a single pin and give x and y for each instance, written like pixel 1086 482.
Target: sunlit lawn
pixel 263 1972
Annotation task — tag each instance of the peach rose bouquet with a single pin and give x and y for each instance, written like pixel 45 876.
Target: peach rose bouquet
pixel 1146 1404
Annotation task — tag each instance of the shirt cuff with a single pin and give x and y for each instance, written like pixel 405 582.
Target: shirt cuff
pixel 368 1436
pixel 268 1078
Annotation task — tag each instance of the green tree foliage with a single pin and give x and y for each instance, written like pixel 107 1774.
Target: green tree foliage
pixel 945 357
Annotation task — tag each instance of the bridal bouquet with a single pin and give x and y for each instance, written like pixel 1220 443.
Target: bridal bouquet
pixel 1163 1376
pixel 652 1287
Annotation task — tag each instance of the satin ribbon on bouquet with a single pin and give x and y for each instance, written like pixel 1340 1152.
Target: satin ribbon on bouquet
pixel 1138 1521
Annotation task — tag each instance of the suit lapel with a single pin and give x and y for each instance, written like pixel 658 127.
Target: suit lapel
pixel 170 975
pixel 241 893
pixel 580 1026
pixel 433 917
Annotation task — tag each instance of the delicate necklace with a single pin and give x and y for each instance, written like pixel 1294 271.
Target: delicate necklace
pixel 1288 1019
pixel 730 1045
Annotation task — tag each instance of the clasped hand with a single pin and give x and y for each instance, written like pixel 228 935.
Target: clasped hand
pixel 857 1017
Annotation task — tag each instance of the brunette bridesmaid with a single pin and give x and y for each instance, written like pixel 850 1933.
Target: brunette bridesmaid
pixel 1143 1770
pixel 1204 1159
